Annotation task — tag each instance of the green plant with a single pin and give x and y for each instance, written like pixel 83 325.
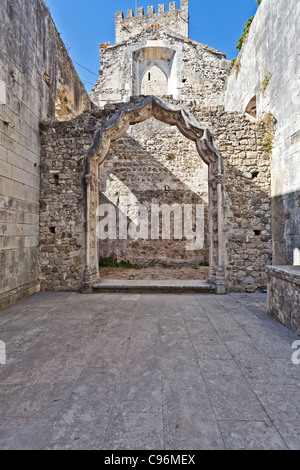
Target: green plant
pixel 267 122
pixel 298 200
pixel 12 75
pixel 244 33
pixel 43 126
pixel 114 263
pixel 204 263
pixel 265 83
pixel 236 65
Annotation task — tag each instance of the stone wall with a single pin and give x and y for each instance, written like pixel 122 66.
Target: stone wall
pixel 38 83
pixel 154 163
pixel 175 20
pixel 62 236
pixel 268 69
pixel 247 201
pixel 246 196
pixel 284 296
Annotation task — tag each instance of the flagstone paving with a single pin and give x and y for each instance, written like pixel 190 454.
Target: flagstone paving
pixel 171 372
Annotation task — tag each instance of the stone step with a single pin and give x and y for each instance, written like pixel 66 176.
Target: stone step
pixel 148 286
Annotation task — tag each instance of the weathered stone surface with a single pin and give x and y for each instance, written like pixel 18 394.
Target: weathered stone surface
pixel 245 190
pixel 284 295
pixel 154 163
pixel 153 55
pixel 153 372
pixel 271 55
pixel 34 69
pixel 175 20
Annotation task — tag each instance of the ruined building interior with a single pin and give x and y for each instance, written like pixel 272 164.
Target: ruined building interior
pixel 169 121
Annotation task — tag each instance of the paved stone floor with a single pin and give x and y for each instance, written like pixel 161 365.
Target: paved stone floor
pixel 179 372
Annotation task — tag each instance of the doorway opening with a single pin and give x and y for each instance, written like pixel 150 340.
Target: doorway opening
pixel 154 182
pixel 154 82
pixel 138 110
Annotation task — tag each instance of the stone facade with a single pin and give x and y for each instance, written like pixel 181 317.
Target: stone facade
pixel 268 73
pixel 153 55
pixel 266 80
pixel 198 133
pixel 284 295
pixel 154 163
pixel 157 45
pixel 38 84
pixel 175 20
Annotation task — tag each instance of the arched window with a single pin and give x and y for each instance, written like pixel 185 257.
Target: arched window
pixel 154 82
pixel 251 107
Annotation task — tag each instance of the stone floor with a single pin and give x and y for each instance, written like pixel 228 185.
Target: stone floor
pixel 115 371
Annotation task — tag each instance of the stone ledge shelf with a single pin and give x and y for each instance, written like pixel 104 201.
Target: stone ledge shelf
pixel 284 295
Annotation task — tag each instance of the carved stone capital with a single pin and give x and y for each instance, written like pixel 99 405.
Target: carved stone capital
pixel 219 179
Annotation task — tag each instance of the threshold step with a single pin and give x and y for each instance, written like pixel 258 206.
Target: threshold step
pixel 148 286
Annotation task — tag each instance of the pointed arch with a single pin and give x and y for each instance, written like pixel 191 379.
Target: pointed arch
pixel 154 81
pixel 138 110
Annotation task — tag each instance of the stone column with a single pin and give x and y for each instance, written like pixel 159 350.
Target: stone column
pixel 88 276
pixel 220 274
pixel 212 269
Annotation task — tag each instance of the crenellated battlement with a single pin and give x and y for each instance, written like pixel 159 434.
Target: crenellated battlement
pixel 176 20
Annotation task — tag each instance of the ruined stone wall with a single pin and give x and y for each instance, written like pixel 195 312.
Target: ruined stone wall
pixel 247 201
pixel 284 296
pixel 176 20
pixel 154 164
pixel 61 252
pixel 37 83
pixel 268 69
pixel 194 72
pixel 246 197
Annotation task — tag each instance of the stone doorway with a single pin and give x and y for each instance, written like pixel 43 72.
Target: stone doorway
pixel 135 112
pixel 153 166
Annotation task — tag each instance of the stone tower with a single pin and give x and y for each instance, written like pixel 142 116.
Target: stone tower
pixel 153 55
pixel 173 20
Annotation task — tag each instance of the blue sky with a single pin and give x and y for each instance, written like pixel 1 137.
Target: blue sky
pixel 85 24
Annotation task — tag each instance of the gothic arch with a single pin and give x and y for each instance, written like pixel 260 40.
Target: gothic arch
pixel 139 110
pixel 162 53
pixel 154 81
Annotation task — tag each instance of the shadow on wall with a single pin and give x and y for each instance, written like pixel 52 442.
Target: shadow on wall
pixel 286 229
pixel 246 202
pixel 248 227
pixel 130 171
pixel 129 168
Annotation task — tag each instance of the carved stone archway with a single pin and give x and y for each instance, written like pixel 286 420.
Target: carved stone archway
pixel 140 109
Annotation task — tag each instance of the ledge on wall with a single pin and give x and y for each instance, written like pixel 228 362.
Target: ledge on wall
pixel 20 293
